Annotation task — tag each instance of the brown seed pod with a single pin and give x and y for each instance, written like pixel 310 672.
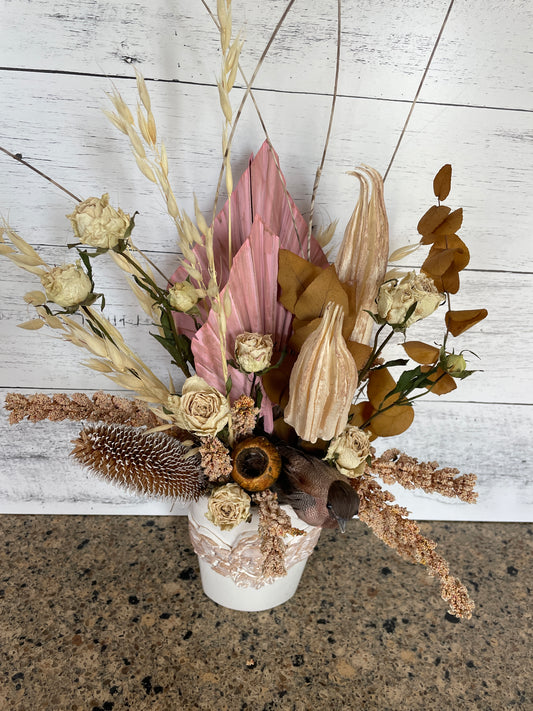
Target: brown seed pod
pixel 256 464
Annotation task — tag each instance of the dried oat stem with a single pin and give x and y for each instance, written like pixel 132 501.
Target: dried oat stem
pixel 246 93
pixel 333 102
pixel 20 159
pixel 267 136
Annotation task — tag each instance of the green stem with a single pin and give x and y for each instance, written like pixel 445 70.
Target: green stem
pixel 376 350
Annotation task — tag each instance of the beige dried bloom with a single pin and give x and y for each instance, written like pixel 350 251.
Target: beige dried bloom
pixel 228 506
pixel 396 297
pixel 243 417
pixel 98 224
pixel 67 286
pixel 216 460
pixel 182 296
pixel 253 351
pixel 349 451
pixel 323 381
pixel 201 409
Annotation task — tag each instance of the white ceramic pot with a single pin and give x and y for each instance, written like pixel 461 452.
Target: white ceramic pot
pixel 231 561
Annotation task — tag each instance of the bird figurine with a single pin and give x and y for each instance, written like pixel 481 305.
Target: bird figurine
pixel 317 492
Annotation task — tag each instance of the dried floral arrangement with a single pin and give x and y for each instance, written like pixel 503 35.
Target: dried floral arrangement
pixel 286 382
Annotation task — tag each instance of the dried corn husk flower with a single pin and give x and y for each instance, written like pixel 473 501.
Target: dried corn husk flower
pixel 349 451
pixel 182 296
pixel 395 298
pixel 201 409
pixel 228 506
pixel 253 351
pixel 362 257
pixel 98 224
pixel 323 381
pixel 67 286
pixel 216 460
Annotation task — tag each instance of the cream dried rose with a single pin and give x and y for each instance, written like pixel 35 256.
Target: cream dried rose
pixel 395 298
pixel 182 296
pixel 253 351
pixel 228 506
pixel 98 224
pixel 67 286
pixel 349 451
pixel 201 409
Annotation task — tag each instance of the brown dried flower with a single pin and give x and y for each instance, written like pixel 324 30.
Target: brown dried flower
pixel 389 522
pixel 243 417
pixel 102 407
pixel 216 460
pixel 274 523
pixel 396 467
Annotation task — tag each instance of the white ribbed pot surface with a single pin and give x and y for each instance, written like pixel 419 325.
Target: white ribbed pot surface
pixel 231 561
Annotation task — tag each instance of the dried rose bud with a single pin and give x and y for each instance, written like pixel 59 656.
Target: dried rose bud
pixel 253 351
pixel 67 286
pixel 455 363
pixel 98 224
pixel 228 506
pixel 395 298
pixel 182 296
pixel 349 451
pixel 201 409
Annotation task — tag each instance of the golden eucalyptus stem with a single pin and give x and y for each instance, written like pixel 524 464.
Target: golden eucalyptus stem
pixel 324 152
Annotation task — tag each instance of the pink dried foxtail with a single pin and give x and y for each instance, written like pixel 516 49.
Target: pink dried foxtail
pixel 363 254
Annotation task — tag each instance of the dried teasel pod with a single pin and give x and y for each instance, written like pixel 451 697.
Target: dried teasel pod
pixel 362 257
pixel 323 381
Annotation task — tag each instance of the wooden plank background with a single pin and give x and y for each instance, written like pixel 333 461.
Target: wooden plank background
pixel 474 110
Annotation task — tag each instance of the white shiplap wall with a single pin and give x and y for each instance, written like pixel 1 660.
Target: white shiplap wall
pixel 475 111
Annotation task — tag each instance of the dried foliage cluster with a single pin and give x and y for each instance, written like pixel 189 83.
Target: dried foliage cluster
pixel 284 355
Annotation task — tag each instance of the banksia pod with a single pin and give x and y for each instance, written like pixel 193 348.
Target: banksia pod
pixel 363 254
pixel 323 381
pixel 149 464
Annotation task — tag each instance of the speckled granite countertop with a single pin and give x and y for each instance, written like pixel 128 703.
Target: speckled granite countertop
pixel 107 613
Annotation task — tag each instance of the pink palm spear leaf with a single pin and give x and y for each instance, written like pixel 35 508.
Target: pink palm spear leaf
pixel 264 220
pixel 261 191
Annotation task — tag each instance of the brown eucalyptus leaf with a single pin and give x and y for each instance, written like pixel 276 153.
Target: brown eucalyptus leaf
pixel 450 280
pixel 393 422
pixel 434 217
pixel 451 224
pixel 438 261
pixel 458 322
pixel 380 383
pixel 461 256
pixel 360 353
pixel 360 413
pixel 276 381
pixel 294 276
pixel 445 382
pixel 301 330
pixel 421 352
pixel 442 182
pixel 324 288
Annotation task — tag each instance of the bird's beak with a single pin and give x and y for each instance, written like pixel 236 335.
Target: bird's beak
pixel 342 524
